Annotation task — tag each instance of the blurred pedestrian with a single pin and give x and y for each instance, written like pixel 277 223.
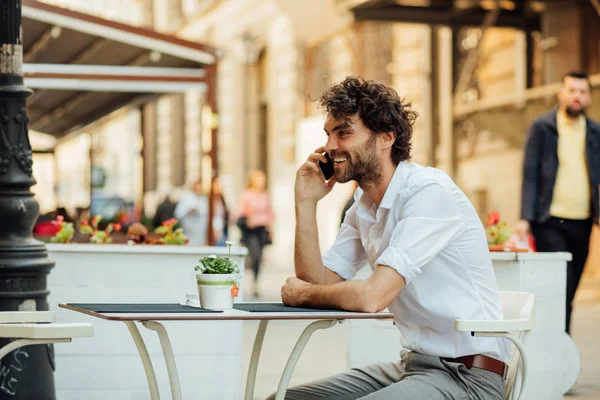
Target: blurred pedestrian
pixel 220 214
pixel 192 213
pixel 255 217
pixel 561 174
pixel 164 212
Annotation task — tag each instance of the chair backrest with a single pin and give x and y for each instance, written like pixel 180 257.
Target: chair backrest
pixel 519 306
pixel 23 317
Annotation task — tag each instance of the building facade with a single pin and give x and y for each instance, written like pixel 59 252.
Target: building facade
pixel 279 55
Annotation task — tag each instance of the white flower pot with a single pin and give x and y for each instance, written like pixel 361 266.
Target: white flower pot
pixel 214 290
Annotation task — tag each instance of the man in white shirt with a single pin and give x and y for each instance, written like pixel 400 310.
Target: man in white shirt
pixel 424 242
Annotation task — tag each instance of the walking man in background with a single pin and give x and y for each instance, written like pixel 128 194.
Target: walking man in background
pixel 561 174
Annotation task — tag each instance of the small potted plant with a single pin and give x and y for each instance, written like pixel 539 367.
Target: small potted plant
pixel 218 279
pixel 497 232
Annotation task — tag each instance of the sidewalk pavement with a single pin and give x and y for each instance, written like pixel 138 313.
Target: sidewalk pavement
pixel 585 332
pixel 325 354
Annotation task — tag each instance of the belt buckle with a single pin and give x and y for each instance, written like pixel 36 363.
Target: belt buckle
pixel 505 373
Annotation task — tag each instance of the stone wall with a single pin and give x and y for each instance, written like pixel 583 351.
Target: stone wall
pixel 410 69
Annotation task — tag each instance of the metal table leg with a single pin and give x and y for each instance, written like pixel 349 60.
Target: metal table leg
pixel 165 343
pixel 295 355
pixel 146 362
pixel 253 367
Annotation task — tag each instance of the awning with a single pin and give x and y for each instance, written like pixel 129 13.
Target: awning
pixel 82 67
pixel 519 14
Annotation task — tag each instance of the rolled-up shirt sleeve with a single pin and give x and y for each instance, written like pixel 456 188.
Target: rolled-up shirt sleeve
pixel 430 220
pixel 346 255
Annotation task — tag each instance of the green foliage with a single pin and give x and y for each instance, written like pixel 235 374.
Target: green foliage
pixel 86 229
pixel 147 222
pixel 101 237
pixel 169 235
pixel 98 236
pixel 497 234
pixel 177 237
pixel 65 234
pixel 496 230
pixel 217 265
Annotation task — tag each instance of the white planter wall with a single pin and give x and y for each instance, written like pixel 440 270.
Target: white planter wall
pixel 554 361
pixel 107 366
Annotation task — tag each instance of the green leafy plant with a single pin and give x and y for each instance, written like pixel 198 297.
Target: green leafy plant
pixel 66 232
pixel 168 235
pixel 496 230
pixel 217 265
pixel 98 236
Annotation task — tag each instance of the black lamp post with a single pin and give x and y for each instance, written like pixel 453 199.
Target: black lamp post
pixel 26 373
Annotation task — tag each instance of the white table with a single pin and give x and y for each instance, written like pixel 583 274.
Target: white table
pixel 321 320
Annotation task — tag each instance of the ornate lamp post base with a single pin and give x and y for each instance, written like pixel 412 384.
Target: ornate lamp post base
pixel 26 373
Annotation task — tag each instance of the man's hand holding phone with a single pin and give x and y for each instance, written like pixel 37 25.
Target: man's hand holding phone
pixel 326 167
pixel 311 184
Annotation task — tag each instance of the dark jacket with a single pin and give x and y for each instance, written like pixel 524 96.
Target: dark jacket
pixel 164 211
pixel 540 166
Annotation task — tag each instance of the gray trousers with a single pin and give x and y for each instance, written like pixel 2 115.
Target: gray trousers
pixel 416 377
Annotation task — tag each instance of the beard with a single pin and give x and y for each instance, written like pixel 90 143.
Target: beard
pixel 574 113
pixel 362 166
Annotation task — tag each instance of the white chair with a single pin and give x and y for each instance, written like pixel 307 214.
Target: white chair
pixel 37 327
pixel 518 309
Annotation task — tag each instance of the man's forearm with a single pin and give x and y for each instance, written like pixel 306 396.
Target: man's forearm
pixel 348 295
pixel 308 263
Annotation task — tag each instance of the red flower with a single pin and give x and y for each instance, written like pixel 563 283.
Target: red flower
pixel 493 218
pixel 84 222
pixel 117 227
pixel 170 222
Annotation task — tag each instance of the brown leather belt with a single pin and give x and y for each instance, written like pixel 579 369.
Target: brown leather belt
pixel 483 362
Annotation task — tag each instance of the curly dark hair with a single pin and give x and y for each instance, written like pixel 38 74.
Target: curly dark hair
pixel 378 106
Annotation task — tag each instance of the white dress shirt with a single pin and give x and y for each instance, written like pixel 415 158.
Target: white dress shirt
pixel 428 231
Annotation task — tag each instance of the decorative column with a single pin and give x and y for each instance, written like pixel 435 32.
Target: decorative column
pixel 26 373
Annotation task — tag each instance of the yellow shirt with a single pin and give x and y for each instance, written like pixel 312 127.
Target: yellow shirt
pixel 571 196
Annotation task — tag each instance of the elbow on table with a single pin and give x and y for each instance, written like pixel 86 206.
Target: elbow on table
pixel 323 278
pixel 302 275
pixel 372 307
pixel 305 277
pixel 371 303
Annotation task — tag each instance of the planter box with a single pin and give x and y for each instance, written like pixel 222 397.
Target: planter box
pixel 107 366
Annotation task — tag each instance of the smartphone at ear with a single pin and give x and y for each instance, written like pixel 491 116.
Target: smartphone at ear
pixel 327 168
